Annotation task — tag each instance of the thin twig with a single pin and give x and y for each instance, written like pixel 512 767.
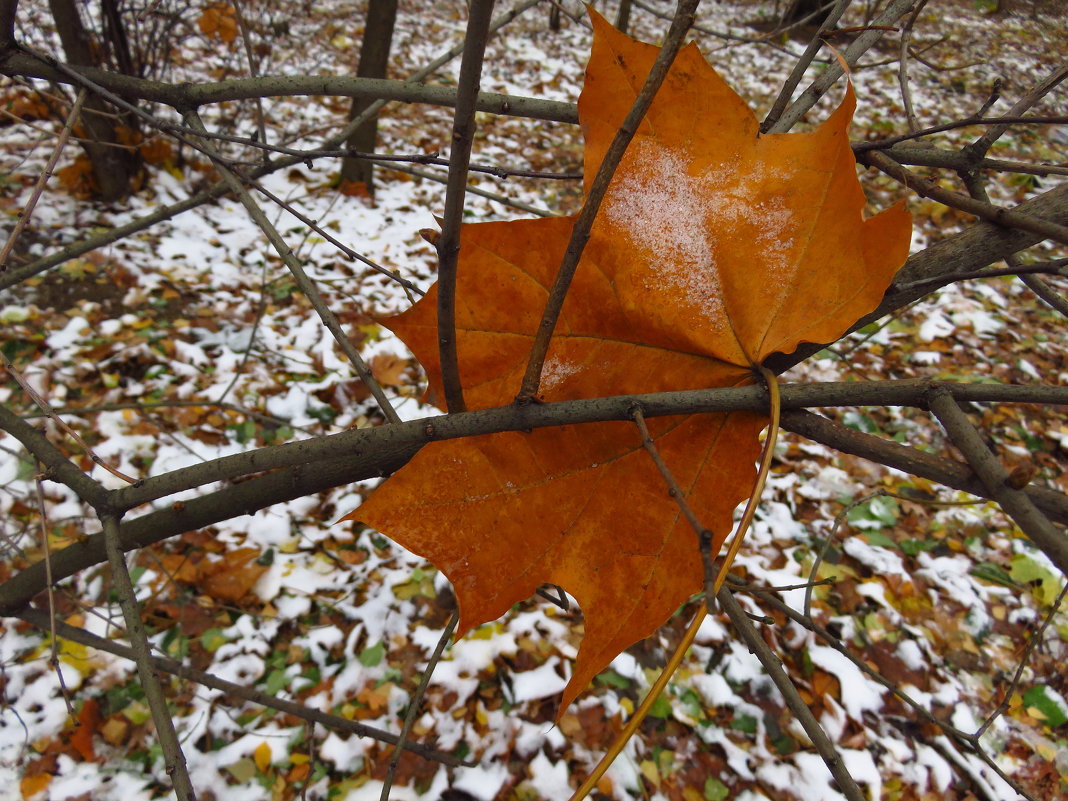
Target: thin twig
pixel 173 756
pixel 474 190
pixel 967 122
pixel 55 418
pixel 46 546
pixel 955 160
pixel 318 229
pixel 903 66
pixel 416 702
pixel 838 520
pixel 19 275
pixel 253 66
pixel 1055 267
pixel 1045 292
pixel 42 179
pixel 1032 643
pixel 704 535
pixel 980 146
pixel 305 283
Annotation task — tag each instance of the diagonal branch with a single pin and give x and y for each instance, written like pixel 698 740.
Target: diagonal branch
pixel 986 211
pixel 807 99
pixel 173 756
pixel 59 467
pixel 1031 520
pixel 773 665
pixel 802 64
pixel 307 286
pixel 40 619
pixel 580 232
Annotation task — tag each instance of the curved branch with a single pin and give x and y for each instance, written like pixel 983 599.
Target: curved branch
pixel 317 465
pixel 183 96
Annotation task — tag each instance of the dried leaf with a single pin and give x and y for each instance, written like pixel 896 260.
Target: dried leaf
pixel 715 247
pixel 388 369
pixel 219 21
pixel 262 757
pixel 231 578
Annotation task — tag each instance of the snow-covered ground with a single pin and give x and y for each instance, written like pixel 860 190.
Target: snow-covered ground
pixel 190 341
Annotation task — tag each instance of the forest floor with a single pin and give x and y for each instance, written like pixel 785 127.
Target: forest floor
pixel 190 342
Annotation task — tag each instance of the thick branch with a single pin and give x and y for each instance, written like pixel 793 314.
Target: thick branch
pixel 182 96
pixel 1046 229
pixel 315 465
pixel 911 460
pixel 366 443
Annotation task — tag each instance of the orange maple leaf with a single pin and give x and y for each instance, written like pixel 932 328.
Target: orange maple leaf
pixel 219 21
pixel 715 247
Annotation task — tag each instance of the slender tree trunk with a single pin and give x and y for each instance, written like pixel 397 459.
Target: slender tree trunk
pixel 799 9
pixel 623 15
pixel 374 58
pixel 8 8
pixel 114 167
pixel 115 35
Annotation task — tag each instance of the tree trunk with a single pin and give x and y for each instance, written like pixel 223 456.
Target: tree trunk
pixel 374 57
pixel 115 36
pixel 797 10
pixel 114 166
pixel 623 15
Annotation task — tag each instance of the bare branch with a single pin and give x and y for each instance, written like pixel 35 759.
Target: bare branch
pixel 773 666
pixel 173 755
pixel 448 245
pixel 995 478
pixel 307 286
pixel 580 232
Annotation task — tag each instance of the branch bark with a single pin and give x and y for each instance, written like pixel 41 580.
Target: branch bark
pixel 316 465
